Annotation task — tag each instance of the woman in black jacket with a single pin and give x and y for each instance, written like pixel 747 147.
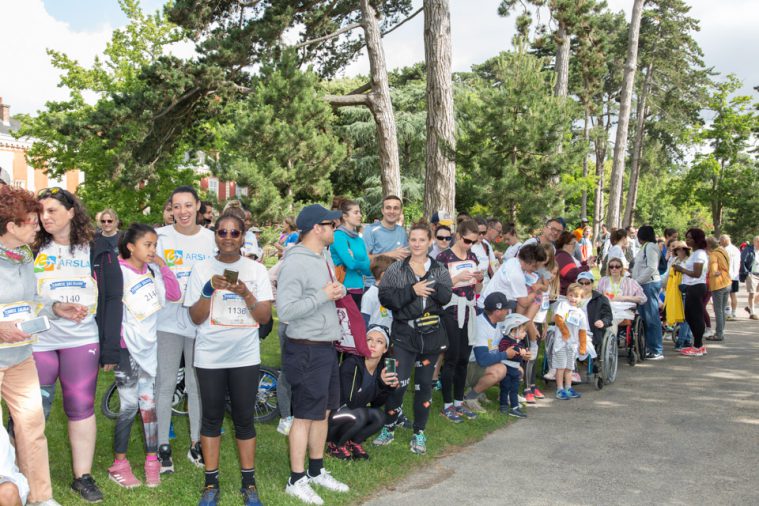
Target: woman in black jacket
pixel 365 384
pixel 415 290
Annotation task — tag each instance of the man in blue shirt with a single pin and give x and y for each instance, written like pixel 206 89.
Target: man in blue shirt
pixel 387 237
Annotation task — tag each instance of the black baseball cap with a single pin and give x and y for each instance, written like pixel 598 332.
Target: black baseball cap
pixel 313 215
pixel 497 300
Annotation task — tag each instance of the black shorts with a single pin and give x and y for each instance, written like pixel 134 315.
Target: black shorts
pixel 314 376
pixel 736 286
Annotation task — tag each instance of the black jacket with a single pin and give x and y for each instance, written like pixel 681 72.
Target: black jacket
pixel 352 392
pixel 747 262
pixel 396 292
pixel 599 308
pixel 107 274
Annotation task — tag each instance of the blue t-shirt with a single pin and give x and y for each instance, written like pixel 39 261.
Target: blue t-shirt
pixel 379 239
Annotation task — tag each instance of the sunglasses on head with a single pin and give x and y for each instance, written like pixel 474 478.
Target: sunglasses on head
pixel 444 237
pixel 106 221
pixel 468 241
pixel 233 233
pixel 57 193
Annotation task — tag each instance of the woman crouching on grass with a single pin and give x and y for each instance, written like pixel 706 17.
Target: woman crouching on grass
pixel 228 296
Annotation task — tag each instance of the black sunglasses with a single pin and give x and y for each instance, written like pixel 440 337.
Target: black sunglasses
pixel 327 224
pixel 585 283
pixel 106 221
pixel 443 237
pixel 615 267
pixel 57 193
pixel 468 241
pixel 233 233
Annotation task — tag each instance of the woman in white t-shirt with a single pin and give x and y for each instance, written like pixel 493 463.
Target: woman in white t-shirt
pixel 694 278
pixel 228 296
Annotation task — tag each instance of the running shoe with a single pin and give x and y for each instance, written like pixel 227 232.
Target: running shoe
pixel 339 452
pixel 562 395
pixel 303 491
pixel 521 399
pixel 87 489
pixel 357 451
pixel 402 421
pixel 692 352
pixel 250 496
pixel 195 455
pixel 386 436
pixel 730 318
pixel 654 356
pixel 209 496
pixel 708 332
pixel 284 425
pixel 517 413
pixel 474 405
pixel 152 473
pixel 451 414
pixel 164 457
pixel 418 443
pixel 550 375
pixel 537 393
pixel 437 386
pixel 121 474
pixel 464 412
pixel 754 317
pixel 687 350
pixel 702 350
pixel 529 398
pixel 326 480
pixel 572 393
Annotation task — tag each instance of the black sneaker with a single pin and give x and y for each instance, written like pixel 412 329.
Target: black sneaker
pixel 164 457
pixel 86 487
pixel 402 421
pixel 195 455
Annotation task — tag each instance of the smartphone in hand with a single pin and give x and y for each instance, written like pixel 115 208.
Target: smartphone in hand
pixel 390 364
pixel 231 276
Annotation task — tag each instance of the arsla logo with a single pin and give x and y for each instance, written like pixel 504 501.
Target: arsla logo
pixel 173 257
pixel 44 263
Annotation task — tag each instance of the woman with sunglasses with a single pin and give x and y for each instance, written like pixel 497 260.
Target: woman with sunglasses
pixel 458 319
pixel 228 296
pixel 71 268
pixel 181 246
pixel 108 221
pixel 349 250
pixel 620 288
pixel 443 238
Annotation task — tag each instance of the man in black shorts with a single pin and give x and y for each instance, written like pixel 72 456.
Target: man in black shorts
pixel 306 295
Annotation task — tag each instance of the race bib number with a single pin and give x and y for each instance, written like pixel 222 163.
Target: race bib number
pixel 574 318
pixel 456 268
pixel 229 310
pixel 21 311
pixel 79 290
pixel 141 298
pixel 544 302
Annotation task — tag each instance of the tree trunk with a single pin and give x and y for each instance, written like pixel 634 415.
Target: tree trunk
pixel 440 172
pixel 380 104
pixel 561 88
pixel 620 146
pixel 598 204
pixel 586 137
pixel 642 112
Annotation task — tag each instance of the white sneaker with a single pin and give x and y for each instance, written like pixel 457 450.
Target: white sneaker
pixel 303 491
pixel 48 502
pixel 326 480
pixel 284 425
pixel 550 375
pixel 521 399
pixel 708 332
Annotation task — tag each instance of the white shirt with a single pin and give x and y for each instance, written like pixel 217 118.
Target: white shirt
pixel 370 305
pixel 67 277
pixel 735 261
pixel 9 472
pixel 509 280
pixel 616 251
pixel 697 257
pixel 485 259
pixel 576 320
pixel 512 251
pixel 181 252
pixel 251 246
pixel 228 338
pixel 487 334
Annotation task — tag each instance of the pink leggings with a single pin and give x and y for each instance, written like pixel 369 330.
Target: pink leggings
pixel 77 369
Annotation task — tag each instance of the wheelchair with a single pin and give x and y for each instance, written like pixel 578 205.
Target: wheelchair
pixel 631 333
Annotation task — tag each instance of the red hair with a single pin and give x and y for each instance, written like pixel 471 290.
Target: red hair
pixel 15 206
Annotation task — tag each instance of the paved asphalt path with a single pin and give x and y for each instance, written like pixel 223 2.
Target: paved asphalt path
pixel 674 431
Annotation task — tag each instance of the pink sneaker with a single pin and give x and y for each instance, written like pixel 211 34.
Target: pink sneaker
pixel 702 350
pixel 530 398
pixel 152 473
pixel 121 473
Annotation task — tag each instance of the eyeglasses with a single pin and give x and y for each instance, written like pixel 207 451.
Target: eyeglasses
pixel 443 237
pixel 615 267
pixel 106 221
pixel 55 192
pixel 585 283
pixel 233 233
pixel 556 229
pixel 483 232
pixel 327 224
pixel 467 241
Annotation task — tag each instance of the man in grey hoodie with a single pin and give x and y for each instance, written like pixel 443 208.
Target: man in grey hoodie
pixel 306 295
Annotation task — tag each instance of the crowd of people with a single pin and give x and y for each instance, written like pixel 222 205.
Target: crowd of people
pixel 462 304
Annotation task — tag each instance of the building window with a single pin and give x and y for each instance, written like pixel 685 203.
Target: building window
pixel 213 185
pixel 19 183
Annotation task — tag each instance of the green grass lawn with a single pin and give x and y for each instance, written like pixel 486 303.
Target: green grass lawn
pixel 387 464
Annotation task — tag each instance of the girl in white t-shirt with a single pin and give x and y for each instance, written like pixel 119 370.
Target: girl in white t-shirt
pixel 571 339
pixel 694 278
pixel 146 290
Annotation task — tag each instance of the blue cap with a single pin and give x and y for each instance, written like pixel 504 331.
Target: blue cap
pixel 313 215
pixel 586 275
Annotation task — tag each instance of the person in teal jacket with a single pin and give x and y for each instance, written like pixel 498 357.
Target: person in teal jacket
pixel 349 250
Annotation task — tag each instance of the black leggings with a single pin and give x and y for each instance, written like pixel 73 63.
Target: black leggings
pixel 456 359
pixel 425 366
pixel 242 385
pixel 694 312
pixel 355 425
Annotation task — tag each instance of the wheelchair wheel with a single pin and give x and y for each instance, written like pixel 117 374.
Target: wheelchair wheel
pixel 609 354
pixel 110 405
pixel 639 334
pixel 598 382
pixel 267 405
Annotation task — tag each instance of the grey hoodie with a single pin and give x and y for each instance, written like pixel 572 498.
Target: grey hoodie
pixel 301 300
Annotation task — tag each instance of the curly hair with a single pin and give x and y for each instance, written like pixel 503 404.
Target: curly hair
pixel 81 232
pixel 15 206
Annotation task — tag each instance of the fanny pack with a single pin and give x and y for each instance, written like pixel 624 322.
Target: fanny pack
pixel 427 324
